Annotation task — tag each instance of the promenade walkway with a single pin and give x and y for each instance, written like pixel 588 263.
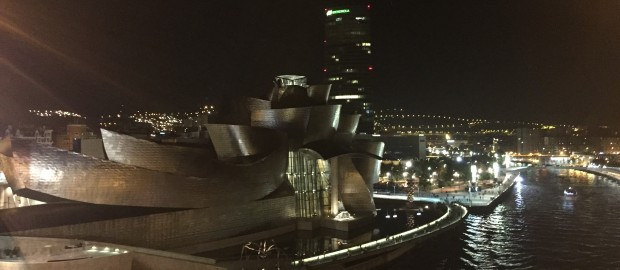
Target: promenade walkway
pixel 612 172
pixel 454 214
pixel 483 198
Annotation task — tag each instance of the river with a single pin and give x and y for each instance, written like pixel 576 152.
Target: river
pixel 535 227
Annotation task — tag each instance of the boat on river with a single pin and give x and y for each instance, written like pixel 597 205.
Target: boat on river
pixel 570 191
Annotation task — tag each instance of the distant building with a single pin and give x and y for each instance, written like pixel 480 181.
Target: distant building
pixel 40 135
pixel 348 59
pixel 403 146
pixel 45 138
pixel 71 138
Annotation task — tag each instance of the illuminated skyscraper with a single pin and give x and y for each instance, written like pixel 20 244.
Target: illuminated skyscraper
pixel 348 54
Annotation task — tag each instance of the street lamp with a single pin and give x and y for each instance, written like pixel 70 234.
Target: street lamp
pixel 474 176
pixel 496 169
pixel 474 173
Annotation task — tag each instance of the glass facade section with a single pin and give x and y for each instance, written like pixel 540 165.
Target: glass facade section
pixel 310 178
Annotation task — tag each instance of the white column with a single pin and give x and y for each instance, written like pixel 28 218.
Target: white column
pixel 334 175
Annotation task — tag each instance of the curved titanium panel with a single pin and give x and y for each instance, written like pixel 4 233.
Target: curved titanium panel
pixel 303 125
pixel 331 148
pixel 323 123
pixel 327 149
pixel 319 93
pixel 293 121
pixel 7 168
pixel 188 161
pixel 354 192
pixel 67 213
pixel 175 229
pixel 5 147
pixel 291 96
pixel 348 123
pixel 374 148
pixel 368 167
pixel 77 177
pixel 346 128
pixel 253 104
pixel 232 141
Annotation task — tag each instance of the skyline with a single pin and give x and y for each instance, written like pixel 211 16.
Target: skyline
pixel 507 61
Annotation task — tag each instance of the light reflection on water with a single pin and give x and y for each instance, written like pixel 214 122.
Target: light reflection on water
pixel 535 227
pixel 518 196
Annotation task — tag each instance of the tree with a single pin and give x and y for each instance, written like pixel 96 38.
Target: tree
pixel 420 170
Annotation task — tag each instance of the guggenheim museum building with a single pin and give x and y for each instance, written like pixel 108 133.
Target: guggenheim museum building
pixel 290 161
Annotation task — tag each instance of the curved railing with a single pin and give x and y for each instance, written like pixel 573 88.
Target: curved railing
pixel 455 213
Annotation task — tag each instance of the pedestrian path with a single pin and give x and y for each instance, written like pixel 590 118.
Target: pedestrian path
pixel 482 198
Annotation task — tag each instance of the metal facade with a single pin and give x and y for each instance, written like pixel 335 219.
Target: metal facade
pixel 236 183
pixel 72 176
pixel 188 161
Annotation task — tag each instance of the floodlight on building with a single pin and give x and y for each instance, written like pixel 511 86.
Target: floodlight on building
pixel 348 97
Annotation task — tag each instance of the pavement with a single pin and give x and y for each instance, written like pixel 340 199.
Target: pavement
pixel 482 198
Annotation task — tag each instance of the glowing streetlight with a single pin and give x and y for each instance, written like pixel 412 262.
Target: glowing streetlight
pixel 507 160
pixel 474 173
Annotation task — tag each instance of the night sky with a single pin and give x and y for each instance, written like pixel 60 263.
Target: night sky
pixel 551 61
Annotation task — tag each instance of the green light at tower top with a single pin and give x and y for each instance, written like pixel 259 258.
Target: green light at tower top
pixel 337 11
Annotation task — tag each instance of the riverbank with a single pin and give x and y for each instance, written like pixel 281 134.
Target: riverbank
pixel 535 227
pixel 613 173
pixel 481 201
pixel 373 254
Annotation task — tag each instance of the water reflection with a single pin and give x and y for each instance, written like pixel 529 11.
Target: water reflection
pixel 568 204
pixel 536 227
pixel 519 203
